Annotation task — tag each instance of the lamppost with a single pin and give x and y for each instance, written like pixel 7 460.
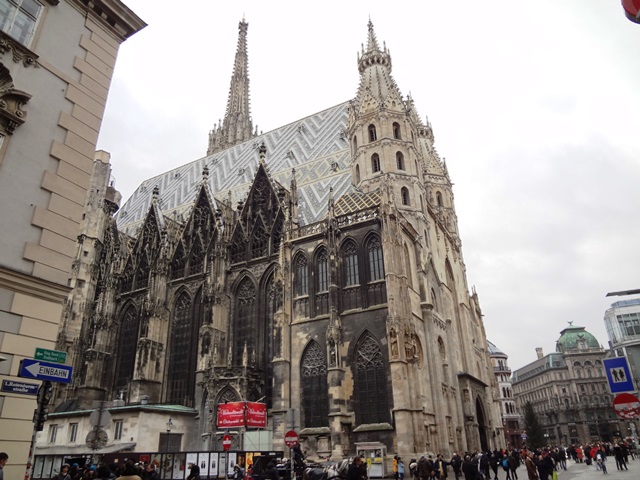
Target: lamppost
pixel 170 426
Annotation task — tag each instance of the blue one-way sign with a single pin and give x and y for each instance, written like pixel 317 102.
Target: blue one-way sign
pixel 54 372
pixel 618 375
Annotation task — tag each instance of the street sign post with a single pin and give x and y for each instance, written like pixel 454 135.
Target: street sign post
pixel 10 386
pixel 626 406
pixel 54 356
pixel 618 375
pixel 291 438
pixel 39 370
pixel 226 442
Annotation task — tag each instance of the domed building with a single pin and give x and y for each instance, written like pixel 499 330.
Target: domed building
pixel 569 392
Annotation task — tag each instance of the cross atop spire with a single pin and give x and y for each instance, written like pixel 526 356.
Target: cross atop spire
pixel 236 127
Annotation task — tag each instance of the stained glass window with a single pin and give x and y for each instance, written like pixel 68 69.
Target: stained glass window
pixel 315 400
pixel 370 382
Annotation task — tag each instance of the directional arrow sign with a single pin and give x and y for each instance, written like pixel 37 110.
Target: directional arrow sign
pixel 54 372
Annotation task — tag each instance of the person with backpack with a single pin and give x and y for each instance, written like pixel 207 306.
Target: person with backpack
pixel 506 467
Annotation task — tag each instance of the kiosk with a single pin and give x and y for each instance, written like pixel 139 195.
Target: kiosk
pixel 375 455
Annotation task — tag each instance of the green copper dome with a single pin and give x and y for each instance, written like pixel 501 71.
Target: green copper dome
pixel 575 338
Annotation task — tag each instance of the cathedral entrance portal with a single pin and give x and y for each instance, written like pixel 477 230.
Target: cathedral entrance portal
pixel 482 429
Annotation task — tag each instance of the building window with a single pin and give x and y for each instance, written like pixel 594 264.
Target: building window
pixel 73 432
pixel 302 277
pixel 396 131
pixel 315 394
pixel 375 163
pixel 376 263
pixel 322 283
pixel 404 193
pixel 245 325
pixel 350 256
pixel 400 160
pixel 127 343
pixel 18 18
pixel 439 199
pixel 372 133
pixel 117 429
pixel 357 173
pixel 355 144
pixel 370 382
pixel 181 344
pixel 53 433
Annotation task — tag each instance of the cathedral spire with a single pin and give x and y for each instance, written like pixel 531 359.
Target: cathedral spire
pixel 236 127
pixel 377 87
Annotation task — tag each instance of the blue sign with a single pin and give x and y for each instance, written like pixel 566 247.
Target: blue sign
pixel 618 375
pixel 10 386
pixel 39 370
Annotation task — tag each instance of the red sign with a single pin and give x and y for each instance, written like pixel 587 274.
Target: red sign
pixel 226 442
pixel 231 414
pixel 256 415
pixel 291 438
pixel 627 406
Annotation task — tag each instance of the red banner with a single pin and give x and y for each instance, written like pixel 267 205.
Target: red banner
pixel 231 414
pixel 256 415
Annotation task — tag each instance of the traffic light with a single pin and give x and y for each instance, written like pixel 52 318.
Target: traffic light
pixel 44 397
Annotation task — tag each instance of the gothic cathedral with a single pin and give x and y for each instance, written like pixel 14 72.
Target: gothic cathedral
pixel 315 267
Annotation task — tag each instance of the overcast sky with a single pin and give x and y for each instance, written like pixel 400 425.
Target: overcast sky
pixel 534 105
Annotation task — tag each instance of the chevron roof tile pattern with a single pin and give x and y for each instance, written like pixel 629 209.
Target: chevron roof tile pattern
pixel 354 202
pixel 316 146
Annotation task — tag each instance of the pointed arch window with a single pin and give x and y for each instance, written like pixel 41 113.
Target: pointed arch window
pixel 376 287
pixel 301 286
pixel 127 347
pixel 370 382
pixel 180 368
pixel 315 394
pixel 355 144
pixel 270 339
pixel 404 193
pixel 302 276
pixel 322 283
pixel 376 263
pixel 396 131
pixel 357 174
pixel 439 199
pixel 375 163
pixel 350 258
pixel 400 160
pixel 372 133
pixel 245 322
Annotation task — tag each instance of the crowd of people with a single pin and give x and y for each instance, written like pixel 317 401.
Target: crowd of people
pixel 541 464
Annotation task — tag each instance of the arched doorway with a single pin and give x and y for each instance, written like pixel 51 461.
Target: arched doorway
pixel 482 430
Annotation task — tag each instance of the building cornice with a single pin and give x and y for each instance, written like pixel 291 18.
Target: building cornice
pixel 29 285
pixel 114 15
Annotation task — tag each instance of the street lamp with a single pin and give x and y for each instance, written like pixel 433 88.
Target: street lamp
pixel 170 426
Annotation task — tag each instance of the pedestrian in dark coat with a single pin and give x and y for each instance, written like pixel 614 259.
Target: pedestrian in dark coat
pixel 469 469
pixel 425 469
pixel 353 472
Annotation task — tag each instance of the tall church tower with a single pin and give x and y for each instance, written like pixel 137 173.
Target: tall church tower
pixel 237 126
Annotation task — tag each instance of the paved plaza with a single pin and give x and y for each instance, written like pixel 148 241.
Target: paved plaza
pixel 580 471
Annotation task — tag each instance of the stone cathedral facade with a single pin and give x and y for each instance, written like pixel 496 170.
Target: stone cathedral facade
pixel 316 267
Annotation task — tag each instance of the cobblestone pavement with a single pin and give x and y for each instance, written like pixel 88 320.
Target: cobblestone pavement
pixel 580 471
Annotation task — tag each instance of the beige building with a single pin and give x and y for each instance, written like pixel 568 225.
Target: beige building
pixel 508 411
pixel 317 267
pixel 568 391
pixel 56 63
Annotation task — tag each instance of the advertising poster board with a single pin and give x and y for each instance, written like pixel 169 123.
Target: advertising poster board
pixel 256 415
pixel 231 462
pixel 213 465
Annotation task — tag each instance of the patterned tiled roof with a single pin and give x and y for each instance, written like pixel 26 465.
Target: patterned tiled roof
pixel 354 202
pixel 316 146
